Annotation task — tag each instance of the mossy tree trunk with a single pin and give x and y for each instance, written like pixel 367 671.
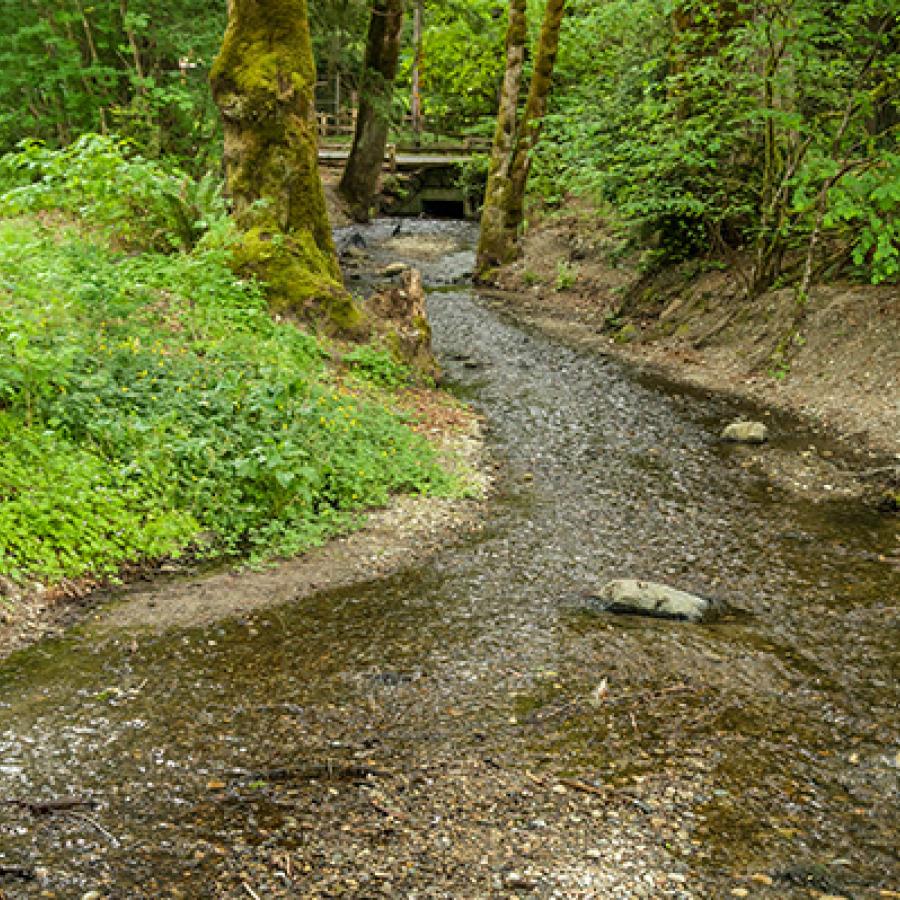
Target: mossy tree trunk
pixel 263 82
pixel 493 246
pixel 359 183
pixel 514 140
pixel 533 117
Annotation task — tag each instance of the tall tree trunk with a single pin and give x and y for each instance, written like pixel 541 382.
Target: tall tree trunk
pixel 533 117
pixel 359 183
pixel 263 82
pixel 493 245
pixel 504 205
pixel 416 99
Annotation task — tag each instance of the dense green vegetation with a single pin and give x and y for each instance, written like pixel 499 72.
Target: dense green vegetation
pixel 137 68
pixel 149 403
pixel 708 127
pixel 147 398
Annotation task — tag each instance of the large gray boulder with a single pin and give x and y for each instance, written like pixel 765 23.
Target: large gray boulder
pixel 647 598
pixel 746 433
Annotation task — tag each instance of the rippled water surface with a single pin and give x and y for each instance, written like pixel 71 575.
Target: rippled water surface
pixel 766 739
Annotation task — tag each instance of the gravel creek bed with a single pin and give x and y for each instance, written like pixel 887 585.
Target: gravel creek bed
pixel 470 727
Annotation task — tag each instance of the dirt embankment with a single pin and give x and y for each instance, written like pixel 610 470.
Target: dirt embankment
pixel 693 323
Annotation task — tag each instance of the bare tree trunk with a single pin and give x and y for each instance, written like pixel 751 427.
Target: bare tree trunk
pixel 493 244
pixel 359 183
pixel 416 100
pixel 263 81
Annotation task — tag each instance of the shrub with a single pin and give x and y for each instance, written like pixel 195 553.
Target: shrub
pixel 138 202
pixel 156 396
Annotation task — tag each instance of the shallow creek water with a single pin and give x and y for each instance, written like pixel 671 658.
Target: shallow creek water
pixel 471 728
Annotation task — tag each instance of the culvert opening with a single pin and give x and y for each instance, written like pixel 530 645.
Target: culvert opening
pixel 444 209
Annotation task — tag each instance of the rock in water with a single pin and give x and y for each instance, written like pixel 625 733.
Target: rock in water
pixel 395 268
pixel 746 433
pixel 647 598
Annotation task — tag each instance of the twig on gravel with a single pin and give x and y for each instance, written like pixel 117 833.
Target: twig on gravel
pixel 328 771
pixel 386 810
pixel 650 695
pixel 113 840
pixel 584 787
pixel 23 873
pixel 894 471
pixel 250 890
pixel 285 864
pixel 45 807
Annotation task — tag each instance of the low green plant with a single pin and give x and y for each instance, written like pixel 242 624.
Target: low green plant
pixel 154 394
pixel 377 366
pixel 566 276
pixel 866 204
pixel 140 203
pixel 65 510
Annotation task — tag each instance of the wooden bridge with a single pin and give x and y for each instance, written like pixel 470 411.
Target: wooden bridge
pixel 404 160
pixel 426 179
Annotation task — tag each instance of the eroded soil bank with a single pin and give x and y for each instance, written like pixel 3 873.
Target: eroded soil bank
pixel 468 727
pixel 693 324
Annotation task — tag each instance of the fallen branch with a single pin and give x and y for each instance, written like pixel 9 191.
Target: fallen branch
pixel 46 807
pixel 113 840
pixel 23 873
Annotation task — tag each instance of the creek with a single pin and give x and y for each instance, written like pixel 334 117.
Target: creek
pixel 470 727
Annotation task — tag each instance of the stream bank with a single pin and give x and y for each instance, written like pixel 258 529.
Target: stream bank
pixel 690 324
pixel 469 726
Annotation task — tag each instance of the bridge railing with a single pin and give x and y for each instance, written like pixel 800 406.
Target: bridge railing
pixel 336 132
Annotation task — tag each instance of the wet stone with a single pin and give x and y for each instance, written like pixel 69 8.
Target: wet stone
pixel 648 598
pixel 746 433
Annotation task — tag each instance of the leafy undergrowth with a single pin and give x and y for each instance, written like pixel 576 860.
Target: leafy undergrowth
pixel 150 405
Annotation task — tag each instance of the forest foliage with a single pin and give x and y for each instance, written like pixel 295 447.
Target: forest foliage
pixel 697 126
pixel 147 397
pixel 714 126
pixel 150 404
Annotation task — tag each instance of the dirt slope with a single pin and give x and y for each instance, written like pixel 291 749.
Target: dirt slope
pixel 692 323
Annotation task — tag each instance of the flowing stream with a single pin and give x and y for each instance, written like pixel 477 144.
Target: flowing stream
pixel 471 727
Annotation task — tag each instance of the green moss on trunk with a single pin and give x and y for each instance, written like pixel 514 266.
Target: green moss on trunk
pixel 263 81
pixel 493 245
pixel 533 117
pixel 504 204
